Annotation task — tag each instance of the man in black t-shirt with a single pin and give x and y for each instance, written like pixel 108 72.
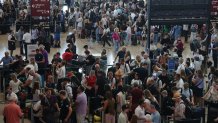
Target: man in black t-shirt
pixel 50 107
pixel 120 54
pixel 89 62
pixel 66 109
pixel 165 78
pixel 142 71
pixel 39 58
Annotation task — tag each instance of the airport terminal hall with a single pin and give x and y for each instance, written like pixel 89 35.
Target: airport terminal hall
pixel 108 61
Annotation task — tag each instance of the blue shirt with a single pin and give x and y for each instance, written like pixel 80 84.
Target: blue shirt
pixel 200 83
pixel 6 60
pixel 156 117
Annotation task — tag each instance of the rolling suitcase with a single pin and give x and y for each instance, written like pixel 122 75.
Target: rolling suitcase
pixel 134 40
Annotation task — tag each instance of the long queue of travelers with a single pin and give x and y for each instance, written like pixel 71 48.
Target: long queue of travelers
pixel 135 90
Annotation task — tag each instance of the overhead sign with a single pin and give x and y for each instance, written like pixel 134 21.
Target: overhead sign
pixel 214 10
pixel 31 50
pixel 40 8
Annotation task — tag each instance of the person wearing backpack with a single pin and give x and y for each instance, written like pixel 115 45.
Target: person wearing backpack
pixel 195 45
pixel 89 62
pixel 188 93
pixel 68 88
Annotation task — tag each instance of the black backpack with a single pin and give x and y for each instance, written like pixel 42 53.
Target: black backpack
pixel 188 110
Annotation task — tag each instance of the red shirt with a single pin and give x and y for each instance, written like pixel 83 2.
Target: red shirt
pixel 91 81
pixel 12 113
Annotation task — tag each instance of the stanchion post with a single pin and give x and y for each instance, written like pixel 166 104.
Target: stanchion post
pixel 22 119
pixel 4 85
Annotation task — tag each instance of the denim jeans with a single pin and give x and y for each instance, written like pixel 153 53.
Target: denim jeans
pixel 96 34
pixel 156 38
pixel 116 46
pixel 128 39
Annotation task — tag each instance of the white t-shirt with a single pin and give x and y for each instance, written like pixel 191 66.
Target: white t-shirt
pixel 69 90
pixel 180 84
pixel 76 14
pixel 12 96
pixel 180 67
pixel 128 30
pixel 27 38
pixel 15 85
pixel 61 72
pixel 122 118
pixel 80 22
pixel 140 113
pixel 32 67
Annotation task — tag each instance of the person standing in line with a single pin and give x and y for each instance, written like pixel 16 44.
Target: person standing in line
pixel 34 35
pixel 6 60
pixel 27 41
pixel 81 105
pixel 140 112
pixel 12 112
pixel 15 83
pixel 211 97
pixel 61 70
pixel 109 108
pixel 11 42
pixel 66 109
pixel 185 32
pixel 179 109
pixel 155 115
pixel 212 50
pixel 19 37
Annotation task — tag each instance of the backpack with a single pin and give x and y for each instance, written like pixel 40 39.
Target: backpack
pixel 191 95
pixel 188 111
pixel 192 46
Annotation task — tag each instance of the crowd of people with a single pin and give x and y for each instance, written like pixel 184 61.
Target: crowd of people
pixel 81 87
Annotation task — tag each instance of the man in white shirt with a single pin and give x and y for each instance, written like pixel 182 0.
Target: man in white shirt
pixel 61 70
pixel 76 15
pixel 129 34
pixel 147 60
pixel 140 112
pixel 179 82
pixel 198 58
pixel 27 41
pixel 180 67
pixel 68 88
